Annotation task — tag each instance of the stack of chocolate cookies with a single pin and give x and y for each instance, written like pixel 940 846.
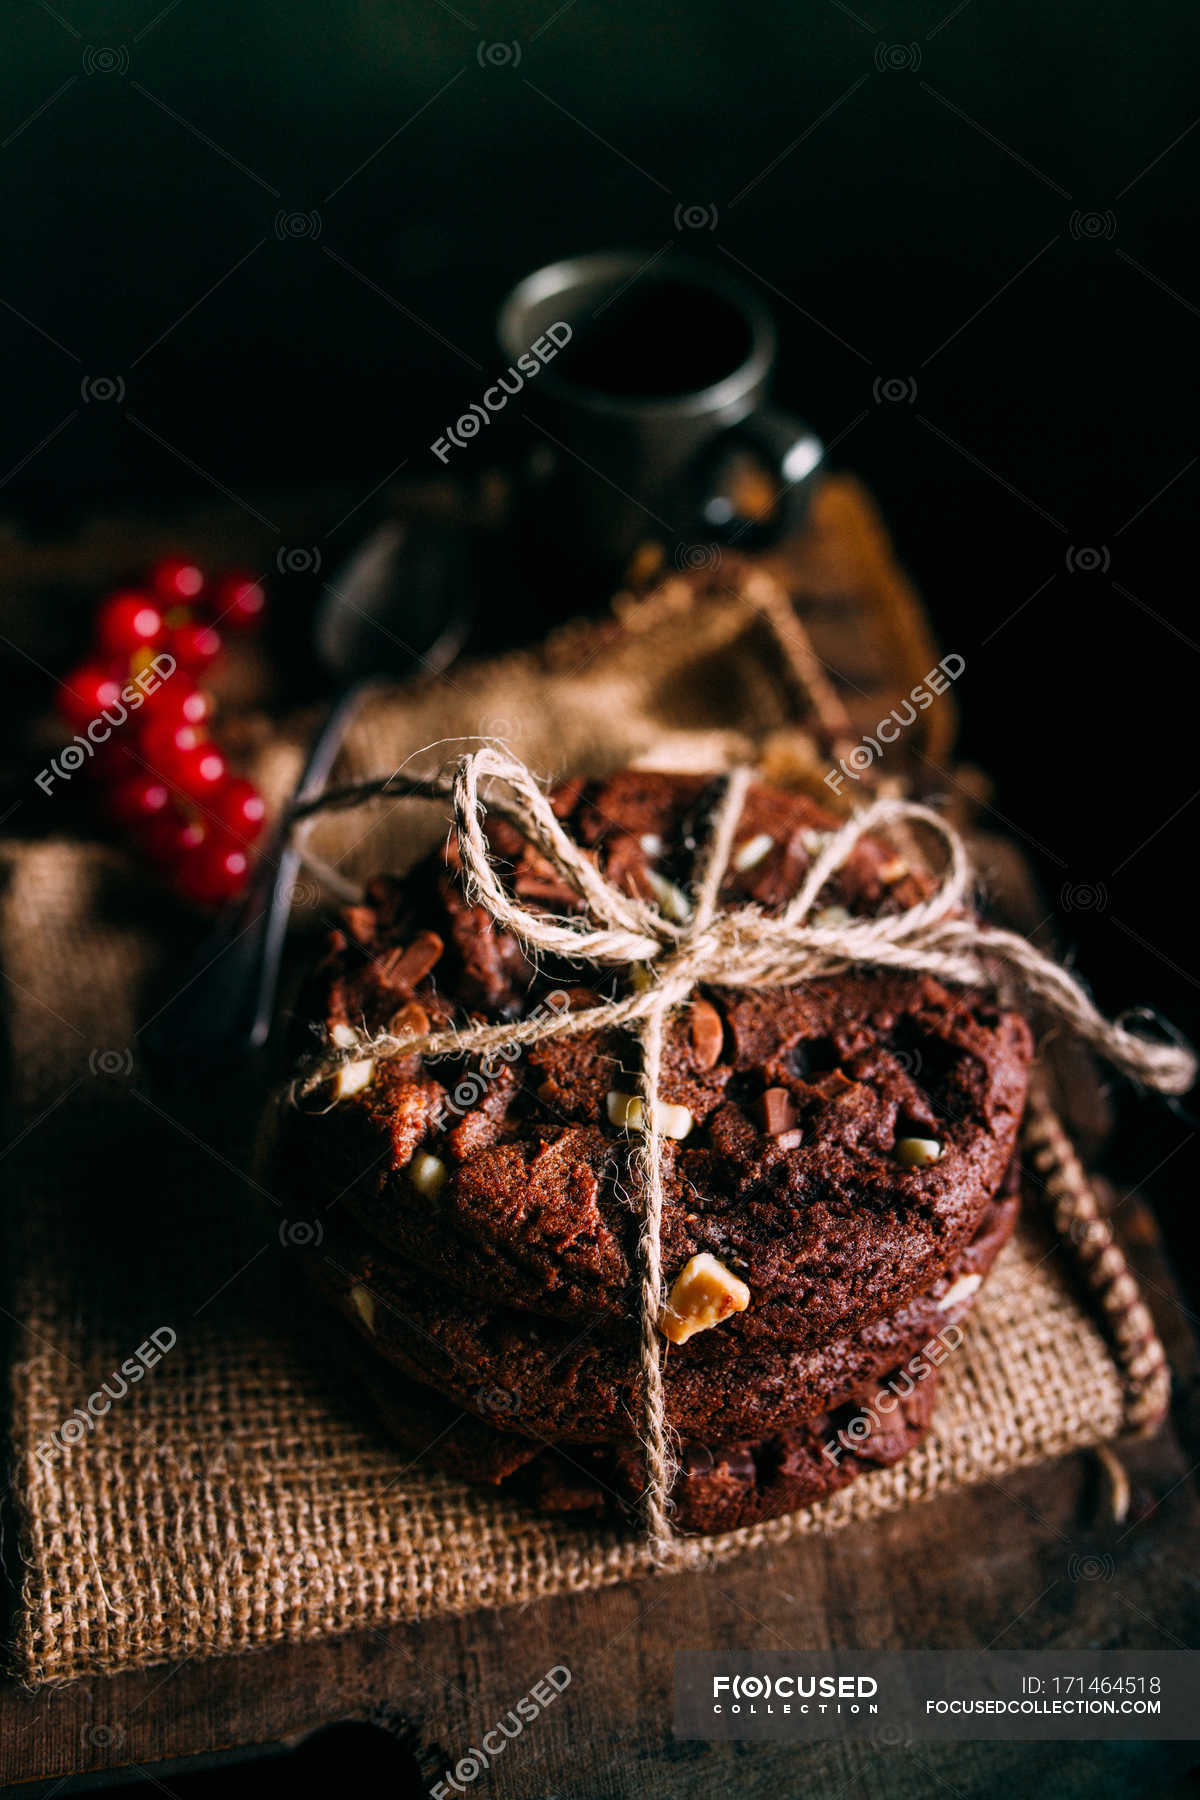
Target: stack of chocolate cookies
pixel 838 1164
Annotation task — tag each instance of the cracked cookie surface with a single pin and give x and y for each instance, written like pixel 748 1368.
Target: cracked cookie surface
pixel 517 1183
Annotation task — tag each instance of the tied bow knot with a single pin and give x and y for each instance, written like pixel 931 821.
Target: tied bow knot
pixel 737 947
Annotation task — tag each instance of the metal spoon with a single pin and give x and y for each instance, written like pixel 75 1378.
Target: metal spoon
pixel 401 602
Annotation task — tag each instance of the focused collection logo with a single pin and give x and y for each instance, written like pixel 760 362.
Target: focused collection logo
pixel 854 765
pixel 506 387
pixel 794 1692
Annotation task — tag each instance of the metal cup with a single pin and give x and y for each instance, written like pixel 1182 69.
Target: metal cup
pixel 649 417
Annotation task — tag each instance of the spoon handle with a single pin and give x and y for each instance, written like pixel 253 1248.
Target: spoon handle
pixel 224 1006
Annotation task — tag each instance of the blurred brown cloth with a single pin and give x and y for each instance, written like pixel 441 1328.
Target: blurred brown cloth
pixel 238 1492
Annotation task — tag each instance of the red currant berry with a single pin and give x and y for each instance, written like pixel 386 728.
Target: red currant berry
pixel 195 706
pixel 216 872
pixel 139 800
pixel 176 579
pixel 201 772
pixel 238 602
pixel 85 692
pixel 127 622
pixel 179 699
pixel 241 809
pixel 194 646
pixel 166 743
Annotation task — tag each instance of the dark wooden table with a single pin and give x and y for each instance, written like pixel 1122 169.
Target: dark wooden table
pixel 1010 1565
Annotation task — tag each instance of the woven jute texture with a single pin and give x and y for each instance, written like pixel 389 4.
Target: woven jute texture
pixel 238 1493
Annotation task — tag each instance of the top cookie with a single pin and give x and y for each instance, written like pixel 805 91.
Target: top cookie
pixel 801 1116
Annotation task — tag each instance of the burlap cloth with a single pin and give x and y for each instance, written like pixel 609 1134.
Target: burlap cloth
pixel 239 1494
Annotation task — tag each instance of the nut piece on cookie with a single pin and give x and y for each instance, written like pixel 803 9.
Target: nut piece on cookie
pixel 960 1291
pixel 673 903
pixel 706 1033
pixel 353 1077
pixel 411 1021
pixel 917 1153
pixel 428 1173
pixel 627 1111
pixel 752 852
pixel 705 1292
pixel 404 966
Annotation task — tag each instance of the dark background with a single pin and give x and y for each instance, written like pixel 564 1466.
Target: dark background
pixel 265 220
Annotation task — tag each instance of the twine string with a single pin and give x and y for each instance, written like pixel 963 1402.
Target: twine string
pixel 660 1463
pixel 737 947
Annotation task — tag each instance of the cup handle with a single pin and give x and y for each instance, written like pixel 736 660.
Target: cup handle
pixel 753 486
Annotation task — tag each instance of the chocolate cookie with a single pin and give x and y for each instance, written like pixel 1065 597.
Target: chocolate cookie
pixel 547 1381
pixel 718 1489
pixel 838 1143
pixel 742 1484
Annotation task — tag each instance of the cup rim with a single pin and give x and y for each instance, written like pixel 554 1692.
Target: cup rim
pixel 568 272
